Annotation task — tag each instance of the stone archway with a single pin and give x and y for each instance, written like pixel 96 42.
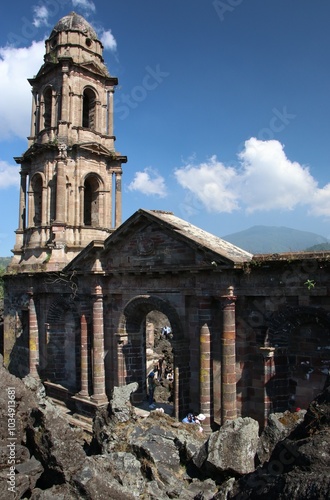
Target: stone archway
pixel 132 348
pixel 301 338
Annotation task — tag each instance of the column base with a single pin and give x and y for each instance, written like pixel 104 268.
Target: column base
pixel 99 400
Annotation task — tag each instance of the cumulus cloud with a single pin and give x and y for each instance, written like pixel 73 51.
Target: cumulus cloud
pixel 84 4
pixel 264 180
pixel 16 65
pixel 41 15
pixel 269 180
pixel 148 182
pixel 108 40
pixel 212 183
pixel 9 175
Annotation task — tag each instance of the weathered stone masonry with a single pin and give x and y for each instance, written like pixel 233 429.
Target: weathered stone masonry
pixel 249 336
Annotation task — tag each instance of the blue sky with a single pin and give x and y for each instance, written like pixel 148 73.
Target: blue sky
pixel 222 106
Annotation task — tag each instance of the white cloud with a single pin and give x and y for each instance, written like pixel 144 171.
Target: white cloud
pixel 320 202
pixel 9 175
pixel 269 180
pixel 211 182
pixel 84 4
pixel 16 65
pixel 108 40
pixel 265 180
pixel 148 182
pixel 40 16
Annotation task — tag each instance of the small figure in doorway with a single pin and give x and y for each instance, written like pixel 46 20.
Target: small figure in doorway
pixel 160 368
pixel 167 332
pixel 151 389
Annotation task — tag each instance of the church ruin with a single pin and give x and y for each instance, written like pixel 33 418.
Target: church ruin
pixel 251 333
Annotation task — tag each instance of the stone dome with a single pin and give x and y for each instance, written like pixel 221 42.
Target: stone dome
pixel 74 22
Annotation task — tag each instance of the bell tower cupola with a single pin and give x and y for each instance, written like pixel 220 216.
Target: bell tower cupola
pixel 70 190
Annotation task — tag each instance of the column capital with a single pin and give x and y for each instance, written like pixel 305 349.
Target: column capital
pixel 97 291
pixel 267 352
pixel 230 295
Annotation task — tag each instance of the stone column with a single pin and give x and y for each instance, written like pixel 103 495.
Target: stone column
pixel 108 204
pixel 205 376
pixel 30 206
pixel 269 373
pixel 84 357
pixel 22 202
pixel 81 205
pixel 60 191
pixel 110 113
pixel 37 125
pixel 228 363
pixel 99 395
pixel 118 200
pixel 176 382
pixel 53 110
pixel 33 338
pixel 33 115
pixel 65 95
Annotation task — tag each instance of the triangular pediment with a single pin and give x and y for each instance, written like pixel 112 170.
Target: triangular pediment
pixel 151 241
pixel 94 68
pixel 97 148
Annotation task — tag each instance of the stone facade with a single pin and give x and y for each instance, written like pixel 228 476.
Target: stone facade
pixel 251 334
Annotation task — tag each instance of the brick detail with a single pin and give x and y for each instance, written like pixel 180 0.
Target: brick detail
pixel 205 376
pixel 99 395
pixel 84 356
pixel 228 364
pixel 33 339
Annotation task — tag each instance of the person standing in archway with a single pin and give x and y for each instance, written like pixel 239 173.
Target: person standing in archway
pixel 151 389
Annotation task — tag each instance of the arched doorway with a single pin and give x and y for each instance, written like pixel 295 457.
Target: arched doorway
pixel 132 355
pixel 159 357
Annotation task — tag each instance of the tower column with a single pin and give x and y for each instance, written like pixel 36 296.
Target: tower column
pixel 61 184
pixel 33 115
pixel 22 202
pixel 99 116
pixel 228 364
pixel 81 205
pixel 118 200
pixel 84 356
pixel 110 113
pixel 109 222
pixel 30 208
pixel 33 338
pixel 60 192
pixel 99 395
pixel 65 95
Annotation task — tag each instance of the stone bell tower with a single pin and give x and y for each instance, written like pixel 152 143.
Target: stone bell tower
pixel 70 191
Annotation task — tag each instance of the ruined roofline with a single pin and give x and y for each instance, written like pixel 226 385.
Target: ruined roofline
pixel 288 256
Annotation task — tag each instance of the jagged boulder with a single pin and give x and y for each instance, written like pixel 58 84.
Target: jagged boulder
pixel 19 471
pixel 120 406
pixel 279 426
pixel 232 449
pixel 299 466
pixel 94 480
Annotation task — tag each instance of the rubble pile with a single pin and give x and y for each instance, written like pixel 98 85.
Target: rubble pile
pixel 43 455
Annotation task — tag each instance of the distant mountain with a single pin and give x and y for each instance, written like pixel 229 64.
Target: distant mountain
pixel 273 239
pixel 321 247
